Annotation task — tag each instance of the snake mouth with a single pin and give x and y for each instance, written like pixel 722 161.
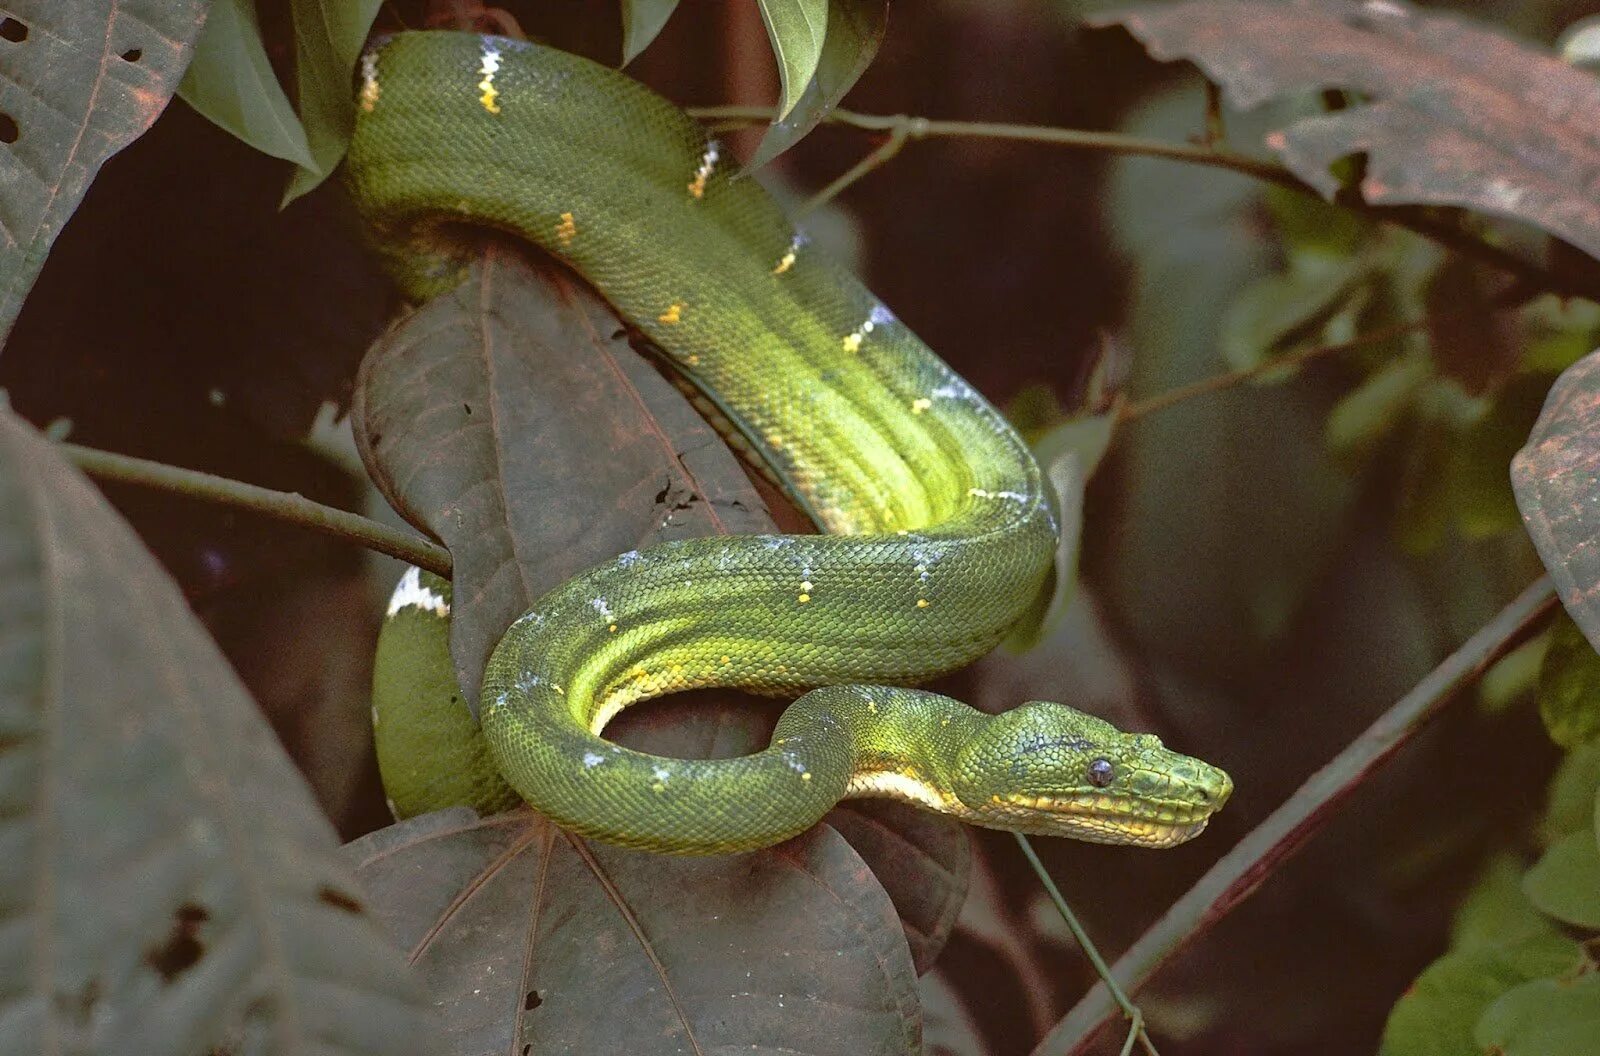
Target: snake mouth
pixel 1098 818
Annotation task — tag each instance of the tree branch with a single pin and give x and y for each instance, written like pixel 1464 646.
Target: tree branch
pixel 289 507
pixel 1237 874
pixel 1423 222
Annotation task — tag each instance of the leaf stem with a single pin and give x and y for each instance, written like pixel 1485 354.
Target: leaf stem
pixel 879 156
pixel 290 507
pixel 1237 874
pixel 1131 1011
pixel 1513 296
pixel 1285 363
pixel 1443 231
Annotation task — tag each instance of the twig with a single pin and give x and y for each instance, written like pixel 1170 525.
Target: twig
pixel 1512 297
pixel 1292 361
pixel 1445 233
pixel 884 151
pixel 1129 1009
pixel 290 507
pixel 1237 874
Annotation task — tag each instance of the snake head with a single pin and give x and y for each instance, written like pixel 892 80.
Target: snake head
pixel 1051 770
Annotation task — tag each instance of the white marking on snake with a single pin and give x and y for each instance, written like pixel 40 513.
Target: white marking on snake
pixel 708 165
pixel 887 783
pixel 369 81
pixel 786 261
pixel 491 64
pixel 409 593
pixel 591 760
pixel 1008 496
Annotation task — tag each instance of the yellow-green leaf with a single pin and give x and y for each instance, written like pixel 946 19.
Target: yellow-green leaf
pixel 641 21
pixel 232 84
pixel 328 37
pixel 797 29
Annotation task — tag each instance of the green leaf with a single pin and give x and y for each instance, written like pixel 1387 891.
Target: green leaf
pixel 641 21
pixel 1278 309
pixel 796 29
pixel 1572 792
pixel 1439 1011
pixel 231 83
pixel 1513 675
pixel 855 29
pixel 328 36
pixel 1569 686
pixel 534 941
pixel 1546 1017
pixel 1481 493
pixel 86 79
pixel 1368 413
pixel 1565 883
pixel 1496 912
pixel 170 885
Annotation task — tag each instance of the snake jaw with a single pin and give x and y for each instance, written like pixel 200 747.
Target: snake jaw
pixel 1098 818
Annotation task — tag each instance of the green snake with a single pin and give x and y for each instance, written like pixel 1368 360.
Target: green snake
pixel 939 528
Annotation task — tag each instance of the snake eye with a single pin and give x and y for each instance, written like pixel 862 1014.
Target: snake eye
pixel 1101 772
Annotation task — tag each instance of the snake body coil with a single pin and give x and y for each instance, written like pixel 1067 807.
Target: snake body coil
pixel 940 529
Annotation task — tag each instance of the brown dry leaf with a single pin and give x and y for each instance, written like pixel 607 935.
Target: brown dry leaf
pixel 512 420
pixel 1556 478
pixel 1446 112
pixel 79 80
pixel 534 942
pixel 169 886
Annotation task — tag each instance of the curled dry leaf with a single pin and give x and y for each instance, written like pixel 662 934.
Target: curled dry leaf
pixel 1445 112
pixel 1556 478
pixel 170 886
pixel 534 941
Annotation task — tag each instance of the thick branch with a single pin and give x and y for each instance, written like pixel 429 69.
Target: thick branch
pixel 281 505
pixel 1237 874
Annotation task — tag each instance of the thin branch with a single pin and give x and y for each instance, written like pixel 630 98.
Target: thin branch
pixel 1444 232
pixel 1513 296
pixel 1237 874
pixel 880 156
pixel 1291 362
pixel 285 506
pixel 1130 1011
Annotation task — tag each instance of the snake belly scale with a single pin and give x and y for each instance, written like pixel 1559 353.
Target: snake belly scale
pixel 939 529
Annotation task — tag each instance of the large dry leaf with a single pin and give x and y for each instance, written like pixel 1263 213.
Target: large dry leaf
pixel 79 80
pixel 1556 478
pixel 537 942
pixel 1446 113
pixel 169 886
pixel 512 420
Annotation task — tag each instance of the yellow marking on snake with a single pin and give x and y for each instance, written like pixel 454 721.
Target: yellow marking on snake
pixel 708 165
pixel 369 81
pixel 490 65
